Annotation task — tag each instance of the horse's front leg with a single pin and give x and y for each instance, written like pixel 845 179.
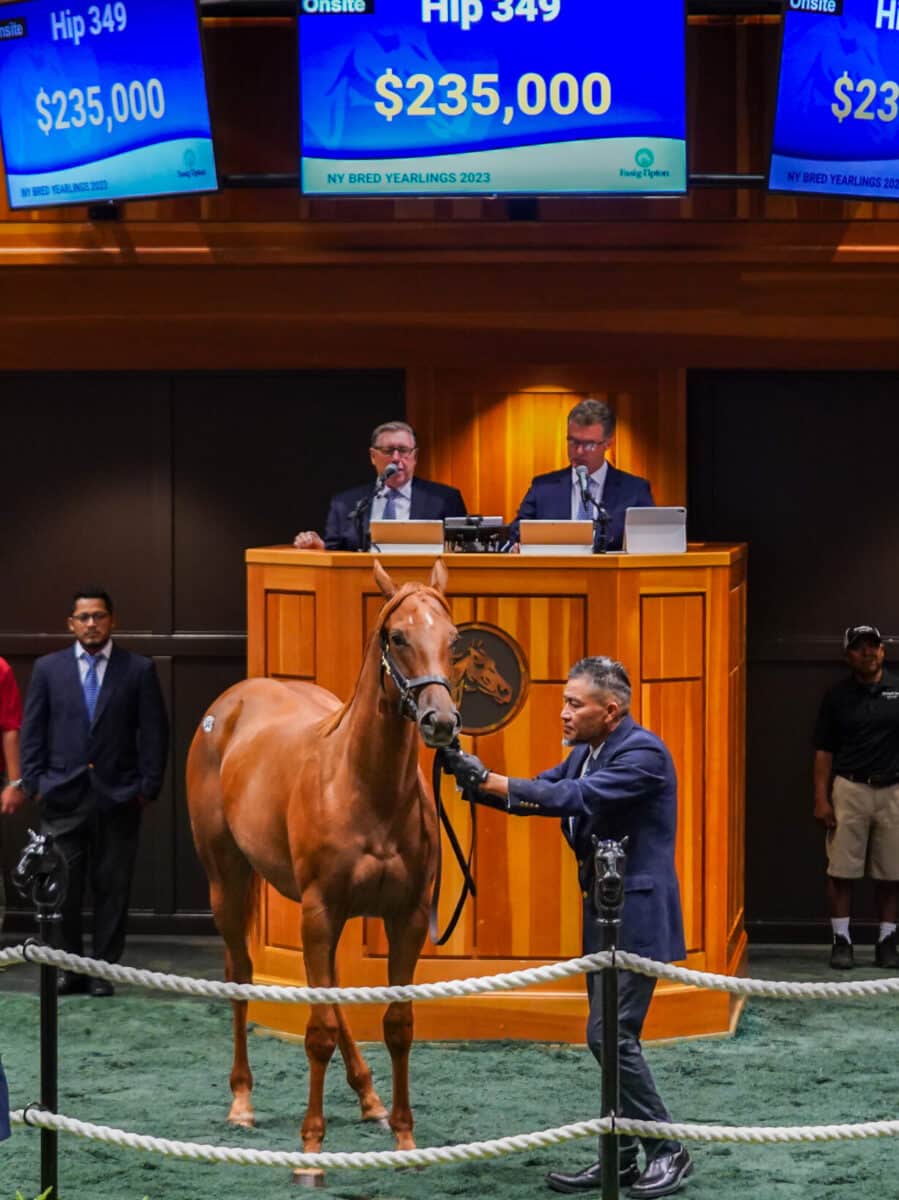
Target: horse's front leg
pixel 321 931
pixel 405 936
pixel 358 1073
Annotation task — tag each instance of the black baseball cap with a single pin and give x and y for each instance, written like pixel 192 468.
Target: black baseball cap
pixel 855 633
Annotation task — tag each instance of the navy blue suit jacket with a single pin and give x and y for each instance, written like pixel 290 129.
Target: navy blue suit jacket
pixel 118 756
pixel 549 499
pixel 632 792
pixel 430 502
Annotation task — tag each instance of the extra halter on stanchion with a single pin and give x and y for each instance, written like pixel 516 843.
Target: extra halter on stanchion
pixel 608 896
pixel 42 876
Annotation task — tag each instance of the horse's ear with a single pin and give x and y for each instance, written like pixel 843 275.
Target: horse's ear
pixel 439 576
pixel 383 580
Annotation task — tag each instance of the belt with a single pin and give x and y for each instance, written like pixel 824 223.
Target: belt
pixel 875 781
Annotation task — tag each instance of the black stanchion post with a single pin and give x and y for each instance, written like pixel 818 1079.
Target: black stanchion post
pixel 608 897
pixel 42 876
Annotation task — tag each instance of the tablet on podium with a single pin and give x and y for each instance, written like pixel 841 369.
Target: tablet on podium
pixel 655 530
pixel 556 537
pixel 407 537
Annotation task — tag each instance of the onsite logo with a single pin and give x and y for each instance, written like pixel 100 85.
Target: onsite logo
pixel 644 158
pixel 15 27
pixel 310 8
pixel 489 677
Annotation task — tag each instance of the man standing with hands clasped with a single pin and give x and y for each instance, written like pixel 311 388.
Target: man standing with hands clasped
pixel 857 791
pixel 94 747
pixel 618 781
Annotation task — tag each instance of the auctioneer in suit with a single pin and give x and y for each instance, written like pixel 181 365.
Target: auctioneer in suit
pixel 430 502
pixel 549 499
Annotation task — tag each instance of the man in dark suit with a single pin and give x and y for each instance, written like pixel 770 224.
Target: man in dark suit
pixel 401 497
pixel 619 781
pixel 557 496
pixel 94 747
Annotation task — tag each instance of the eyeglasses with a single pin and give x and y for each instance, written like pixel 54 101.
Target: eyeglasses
pixel 587 447
pixel 402 451
pixel 87 618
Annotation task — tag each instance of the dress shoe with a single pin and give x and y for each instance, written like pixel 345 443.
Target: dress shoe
pixel 590 1180
pixel 885 954
pixel 101 987
pixel 842 956
pixel 70 984
pixel 664 1174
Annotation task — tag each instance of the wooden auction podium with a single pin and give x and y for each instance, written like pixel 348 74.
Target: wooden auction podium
pixel 678 624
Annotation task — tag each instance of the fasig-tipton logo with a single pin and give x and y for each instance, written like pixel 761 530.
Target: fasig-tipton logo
pixel 15 27
pixel 309 8
pixel 489 677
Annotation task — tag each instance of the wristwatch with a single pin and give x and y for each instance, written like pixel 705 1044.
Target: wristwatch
pixel 17 783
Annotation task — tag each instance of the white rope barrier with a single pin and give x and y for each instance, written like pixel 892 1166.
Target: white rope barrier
pixel 752 1134
pixel 449 989
pixel 463 1152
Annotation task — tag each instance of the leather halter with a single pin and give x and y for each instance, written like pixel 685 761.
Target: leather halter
pixel 407 688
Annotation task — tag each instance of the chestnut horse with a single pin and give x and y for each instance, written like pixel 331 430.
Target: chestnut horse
pixel 327 802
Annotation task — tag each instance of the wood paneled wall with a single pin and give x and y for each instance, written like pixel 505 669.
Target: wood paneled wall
pixel 491 430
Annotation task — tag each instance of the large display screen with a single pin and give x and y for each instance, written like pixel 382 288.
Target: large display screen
pixel 836 130
pixel 102 101
pixel 492 97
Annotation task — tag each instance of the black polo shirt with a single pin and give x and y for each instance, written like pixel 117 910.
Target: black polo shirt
pixel 858 723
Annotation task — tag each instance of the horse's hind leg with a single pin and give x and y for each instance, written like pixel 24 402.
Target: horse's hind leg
pixel 358 1073
pixel 232 893
pixel 405 936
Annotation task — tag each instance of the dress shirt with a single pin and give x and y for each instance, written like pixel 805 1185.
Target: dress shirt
pixel 402 502
pixel 101 658
pixel 597 482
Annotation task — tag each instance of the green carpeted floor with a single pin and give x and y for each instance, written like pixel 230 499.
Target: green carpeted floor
pixel 156 1064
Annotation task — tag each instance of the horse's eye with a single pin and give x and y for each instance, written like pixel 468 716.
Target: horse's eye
pixel 397 638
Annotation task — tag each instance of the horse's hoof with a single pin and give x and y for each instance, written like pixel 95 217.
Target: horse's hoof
pixel 375 1112
pixel 382 1121
pixel 305 1177
pixel 243 1117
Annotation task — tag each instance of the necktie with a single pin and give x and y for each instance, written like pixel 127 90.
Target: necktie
pixel 586 512
pixel 389 513
pixel 91 685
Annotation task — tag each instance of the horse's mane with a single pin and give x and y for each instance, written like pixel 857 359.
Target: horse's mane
pixel 332 722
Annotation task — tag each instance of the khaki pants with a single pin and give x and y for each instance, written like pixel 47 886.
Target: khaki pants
pixel 866 833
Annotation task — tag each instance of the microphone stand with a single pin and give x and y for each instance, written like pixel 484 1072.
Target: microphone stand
pixel 357 516
pixel 600 523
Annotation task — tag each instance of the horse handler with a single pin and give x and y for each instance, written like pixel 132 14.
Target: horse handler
pixel 619 781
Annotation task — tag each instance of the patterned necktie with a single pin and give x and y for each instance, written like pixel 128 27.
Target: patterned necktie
pixel 586 511
pixel 389 513
pixel 91 685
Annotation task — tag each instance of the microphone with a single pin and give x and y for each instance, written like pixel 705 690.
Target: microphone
pixel 389 471
pixel 581 472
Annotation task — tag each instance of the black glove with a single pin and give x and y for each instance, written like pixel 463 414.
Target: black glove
pixel 468 769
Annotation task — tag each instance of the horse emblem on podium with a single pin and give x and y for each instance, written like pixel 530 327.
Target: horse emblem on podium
pixel 489 677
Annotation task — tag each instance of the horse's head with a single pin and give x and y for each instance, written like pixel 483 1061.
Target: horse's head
pixel 417 633
pixel 480 673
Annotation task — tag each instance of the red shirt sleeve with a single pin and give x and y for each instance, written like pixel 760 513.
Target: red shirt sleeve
pixel 10 700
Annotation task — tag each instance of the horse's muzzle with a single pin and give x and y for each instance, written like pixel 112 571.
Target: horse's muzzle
pixel 438 728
